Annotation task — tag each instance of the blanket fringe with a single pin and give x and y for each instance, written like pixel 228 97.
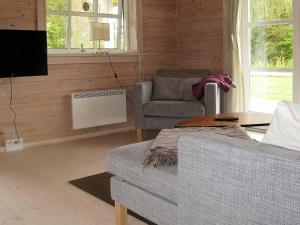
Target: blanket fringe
pixel 158 159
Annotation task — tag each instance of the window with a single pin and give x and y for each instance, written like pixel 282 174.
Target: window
pixel 69 23
pixel 267 37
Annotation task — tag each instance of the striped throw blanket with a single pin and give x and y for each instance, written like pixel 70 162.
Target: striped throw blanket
pixel 163 151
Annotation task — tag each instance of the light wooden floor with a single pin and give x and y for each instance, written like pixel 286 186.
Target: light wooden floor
pixel 34 187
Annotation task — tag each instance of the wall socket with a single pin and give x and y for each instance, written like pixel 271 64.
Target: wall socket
pixel 14 145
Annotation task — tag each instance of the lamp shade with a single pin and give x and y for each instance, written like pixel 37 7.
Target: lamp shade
pixel 100 31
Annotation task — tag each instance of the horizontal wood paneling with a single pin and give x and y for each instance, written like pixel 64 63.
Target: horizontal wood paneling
pixel 200 34
pixel 159 35
pixel 17 14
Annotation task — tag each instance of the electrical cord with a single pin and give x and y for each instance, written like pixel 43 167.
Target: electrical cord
pixel 116 76
pixel 110 62
pixel 11 108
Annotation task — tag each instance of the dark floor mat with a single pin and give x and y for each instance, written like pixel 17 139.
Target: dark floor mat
pixel 99 186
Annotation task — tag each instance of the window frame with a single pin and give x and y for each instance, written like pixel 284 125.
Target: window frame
pixel 69 13
pixel 246 25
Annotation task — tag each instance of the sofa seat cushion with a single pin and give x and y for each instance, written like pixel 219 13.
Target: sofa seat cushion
pixel 181 109
pixel 126 163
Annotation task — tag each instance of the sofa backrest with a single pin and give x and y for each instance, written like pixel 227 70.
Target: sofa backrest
pixel 225 180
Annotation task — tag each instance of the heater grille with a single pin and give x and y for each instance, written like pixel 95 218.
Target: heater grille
pixel 98 94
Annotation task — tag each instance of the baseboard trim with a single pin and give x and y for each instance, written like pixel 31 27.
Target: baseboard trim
pixel 75 137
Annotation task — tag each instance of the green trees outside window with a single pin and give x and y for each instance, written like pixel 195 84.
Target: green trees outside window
pixel 69 24
pixel 271 45
pixel 270 31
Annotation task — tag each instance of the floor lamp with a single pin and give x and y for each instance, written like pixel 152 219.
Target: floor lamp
pixel 100 32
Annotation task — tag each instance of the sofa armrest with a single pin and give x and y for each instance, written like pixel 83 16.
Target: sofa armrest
pixel 212 97
pixel 142 93
pixel 223 180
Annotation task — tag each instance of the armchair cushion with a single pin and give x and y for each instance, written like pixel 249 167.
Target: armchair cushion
pixel 167 88
pixel 181 109
pixel 187 90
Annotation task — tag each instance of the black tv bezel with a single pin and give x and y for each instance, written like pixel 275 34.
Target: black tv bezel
pixel 27 74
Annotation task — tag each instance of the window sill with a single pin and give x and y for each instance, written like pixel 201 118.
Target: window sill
pixel 78 58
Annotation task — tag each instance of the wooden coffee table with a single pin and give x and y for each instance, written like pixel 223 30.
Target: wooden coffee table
pixel 248 119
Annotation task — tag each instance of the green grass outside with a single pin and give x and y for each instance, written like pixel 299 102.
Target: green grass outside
pixel 271 87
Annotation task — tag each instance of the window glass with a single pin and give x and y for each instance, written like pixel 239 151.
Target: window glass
pixel 267 88
pixel 108 6
pixel 81 32
pixel 57 4
pixel 57 31
pixel 270 50
pixel 272 46
pixel 262 10
pixel 69 24
pixel 83 5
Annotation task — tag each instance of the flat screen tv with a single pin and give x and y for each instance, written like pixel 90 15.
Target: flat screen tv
pixel 23 53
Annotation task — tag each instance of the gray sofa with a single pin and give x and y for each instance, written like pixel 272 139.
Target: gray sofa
pixel 218 181
pixel 165 113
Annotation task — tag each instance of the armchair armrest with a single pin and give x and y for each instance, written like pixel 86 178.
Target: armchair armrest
pixel 225 180
pixel 142 93
pixel 212 95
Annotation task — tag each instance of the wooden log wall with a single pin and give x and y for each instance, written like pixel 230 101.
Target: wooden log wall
pixel 43 105
pixel 175 34
pixel 159 32
pixel 200 34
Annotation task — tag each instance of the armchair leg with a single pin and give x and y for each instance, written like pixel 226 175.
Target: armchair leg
pixel 139 135
pixel 121 214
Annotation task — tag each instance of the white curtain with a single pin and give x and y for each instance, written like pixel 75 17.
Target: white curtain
pixel 130 17
pixel 236 97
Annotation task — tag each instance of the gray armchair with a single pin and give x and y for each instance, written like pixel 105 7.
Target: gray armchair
pixel 151 113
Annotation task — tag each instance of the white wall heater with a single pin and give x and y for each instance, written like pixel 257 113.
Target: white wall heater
pixel 91 109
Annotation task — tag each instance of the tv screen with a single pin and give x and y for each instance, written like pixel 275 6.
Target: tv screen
pixel 23 53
